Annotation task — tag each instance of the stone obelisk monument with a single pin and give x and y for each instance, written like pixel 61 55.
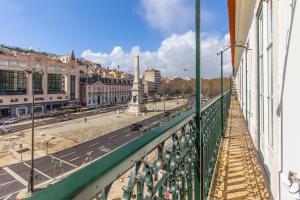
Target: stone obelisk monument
pixel 136 105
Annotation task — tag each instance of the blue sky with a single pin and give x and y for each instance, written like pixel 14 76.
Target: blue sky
pixel 97 27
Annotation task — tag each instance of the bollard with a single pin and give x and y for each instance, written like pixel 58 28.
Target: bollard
pixel 21 151
pixel 47 143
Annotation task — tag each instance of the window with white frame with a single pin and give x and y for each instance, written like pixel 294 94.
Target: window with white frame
pixel 270 71
pixel 261 72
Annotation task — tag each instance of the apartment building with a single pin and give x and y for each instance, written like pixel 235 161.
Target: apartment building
pixel 265 52
pixel 55 83
pixel 152 76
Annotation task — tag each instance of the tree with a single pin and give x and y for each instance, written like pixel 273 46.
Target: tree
pixel 72 55
pixel 209 87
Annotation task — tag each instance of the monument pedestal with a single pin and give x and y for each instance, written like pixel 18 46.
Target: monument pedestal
pixel 136 108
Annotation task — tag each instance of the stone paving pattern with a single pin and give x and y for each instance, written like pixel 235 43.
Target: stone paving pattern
pixel 239 174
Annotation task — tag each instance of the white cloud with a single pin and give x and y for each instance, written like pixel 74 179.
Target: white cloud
pixel 168 16
pixel 175 54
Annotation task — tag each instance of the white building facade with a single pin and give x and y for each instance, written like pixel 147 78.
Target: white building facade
pixel 267 81
pixel 97 91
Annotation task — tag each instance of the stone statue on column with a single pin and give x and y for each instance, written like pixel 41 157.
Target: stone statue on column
pixel 136 104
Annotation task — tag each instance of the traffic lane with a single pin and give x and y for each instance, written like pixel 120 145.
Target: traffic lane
pixel 11 196
pixel 24 171
pixel 90 152
pixel 4 176
pixel 9 188
pixel 71 154
pixel 43 163
pixel 47 164
pixel 8 184
pixel 77 154
pixel 93 151
pixel 56 120
pixel 82 149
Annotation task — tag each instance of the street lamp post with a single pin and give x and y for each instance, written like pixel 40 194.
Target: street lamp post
pixel 222 105
pixel 164 102
pixel 21 151
pixel 31 177
pixel 222 89
pixel 246 82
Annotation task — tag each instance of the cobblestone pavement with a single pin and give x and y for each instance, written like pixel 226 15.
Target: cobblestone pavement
pixel 238 174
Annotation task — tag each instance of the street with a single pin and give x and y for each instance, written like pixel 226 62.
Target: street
pixel 13 178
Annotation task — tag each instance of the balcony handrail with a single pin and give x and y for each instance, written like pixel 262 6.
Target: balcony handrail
pixel 88 181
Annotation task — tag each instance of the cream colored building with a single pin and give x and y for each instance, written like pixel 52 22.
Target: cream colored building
pixel 267 81
pixel 153 76
pixel 58 85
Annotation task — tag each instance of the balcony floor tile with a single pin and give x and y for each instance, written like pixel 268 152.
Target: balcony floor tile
pixel 239 174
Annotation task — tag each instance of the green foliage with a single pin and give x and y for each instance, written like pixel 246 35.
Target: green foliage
pixel 72 55
pixel 209 87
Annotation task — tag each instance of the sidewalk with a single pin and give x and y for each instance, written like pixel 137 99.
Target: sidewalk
pixel 238 174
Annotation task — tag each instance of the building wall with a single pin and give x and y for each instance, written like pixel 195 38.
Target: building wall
pixel 102 94
pixel 272 108
pixel 46 64
pixel 289 21
pixel 152 75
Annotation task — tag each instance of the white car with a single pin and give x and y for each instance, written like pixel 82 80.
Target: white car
pixel 5 128
pixel 11 121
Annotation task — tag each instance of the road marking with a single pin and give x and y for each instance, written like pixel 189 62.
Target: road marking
pixel 74 158
pixel 8 183
pixel 9 195
pixel 2 174
pixel 35 169
pixel 105 150
pixel 111 137
pixel 16 176
pixel 94 144
pixel 101 147
pixel 64 161
pixel 68 154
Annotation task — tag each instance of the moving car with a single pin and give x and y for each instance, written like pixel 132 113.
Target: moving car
pixel 135 126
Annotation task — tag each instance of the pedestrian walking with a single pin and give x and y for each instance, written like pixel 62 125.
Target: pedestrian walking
pixel 85 119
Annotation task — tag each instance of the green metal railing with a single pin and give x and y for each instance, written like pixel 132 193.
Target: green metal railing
pixel 171 169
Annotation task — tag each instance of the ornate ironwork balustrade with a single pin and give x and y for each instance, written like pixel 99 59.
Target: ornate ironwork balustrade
pixel 161 162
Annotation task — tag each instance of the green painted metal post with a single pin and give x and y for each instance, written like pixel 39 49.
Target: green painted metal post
pixel 222 89
pixel 246 85
pixel 199 164
pixel 183 188
pixel 190 183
